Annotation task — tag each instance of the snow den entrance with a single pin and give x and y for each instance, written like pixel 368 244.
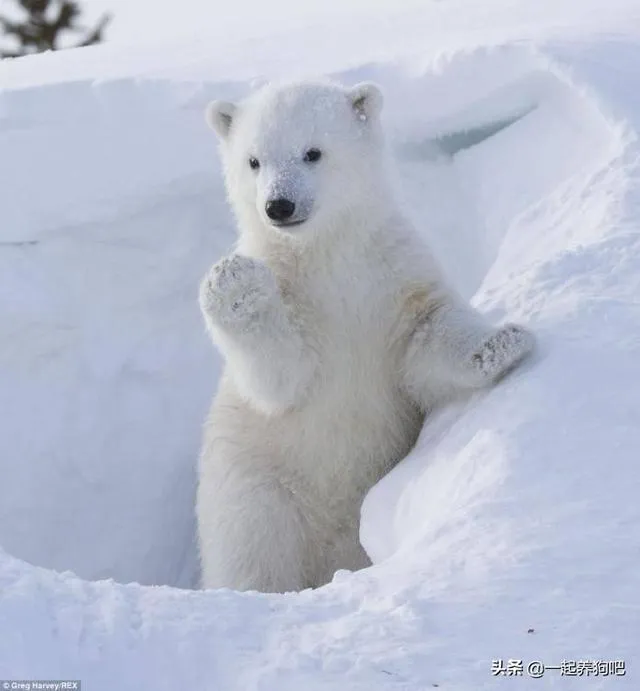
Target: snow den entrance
pixel 106 371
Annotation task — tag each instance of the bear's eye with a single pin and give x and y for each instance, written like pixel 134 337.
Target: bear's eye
pixel 254 163
pixel 313 155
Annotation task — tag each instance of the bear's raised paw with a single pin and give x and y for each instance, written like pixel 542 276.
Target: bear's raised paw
pixel 237 291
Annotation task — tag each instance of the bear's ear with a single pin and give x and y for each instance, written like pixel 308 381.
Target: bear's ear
pixel 366 100
pixel 219 116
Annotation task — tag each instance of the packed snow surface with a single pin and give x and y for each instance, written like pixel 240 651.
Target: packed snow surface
pixel 512 531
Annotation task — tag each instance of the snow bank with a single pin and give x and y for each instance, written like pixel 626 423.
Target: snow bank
pixel 516 510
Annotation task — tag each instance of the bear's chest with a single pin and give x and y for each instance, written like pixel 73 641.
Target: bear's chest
pixel 346 312
pixel 357 416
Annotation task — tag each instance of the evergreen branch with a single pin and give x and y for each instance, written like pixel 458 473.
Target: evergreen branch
pixel 95 36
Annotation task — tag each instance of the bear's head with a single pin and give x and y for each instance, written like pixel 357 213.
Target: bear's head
pixel 302 157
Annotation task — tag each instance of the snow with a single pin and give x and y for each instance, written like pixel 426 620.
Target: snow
pixel 513 129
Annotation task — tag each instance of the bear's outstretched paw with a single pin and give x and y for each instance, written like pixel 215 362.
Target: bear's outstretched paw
pixel 237 291
pixel 502 351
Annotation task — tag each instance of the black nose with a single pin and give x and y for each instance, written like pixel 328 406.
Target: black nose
pixel 280 209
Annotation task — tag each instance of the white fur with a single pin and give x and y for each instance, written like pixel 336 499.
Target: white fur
pixel 339 335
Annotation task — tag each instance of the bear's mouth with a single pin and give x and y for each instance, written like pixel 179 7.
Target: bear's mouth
pixel 288 224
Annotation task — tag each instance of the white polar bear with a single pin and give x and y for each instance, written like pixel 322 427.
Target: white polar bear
pixel 339 335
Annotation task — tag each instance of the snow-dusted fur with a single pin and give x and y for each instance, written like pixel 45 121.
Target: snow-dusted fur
pixel 339 335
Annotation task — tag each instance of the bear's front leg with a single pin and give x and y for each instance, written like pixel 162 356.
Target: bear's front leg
pixel 251 325
pixel 454 349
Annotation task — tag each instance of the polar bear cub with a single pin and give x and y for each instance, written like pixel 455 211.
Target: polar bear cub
pixel 339 335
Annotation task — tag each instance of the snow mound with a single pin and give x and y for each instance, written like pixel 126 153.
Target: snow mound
pixel 516 510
